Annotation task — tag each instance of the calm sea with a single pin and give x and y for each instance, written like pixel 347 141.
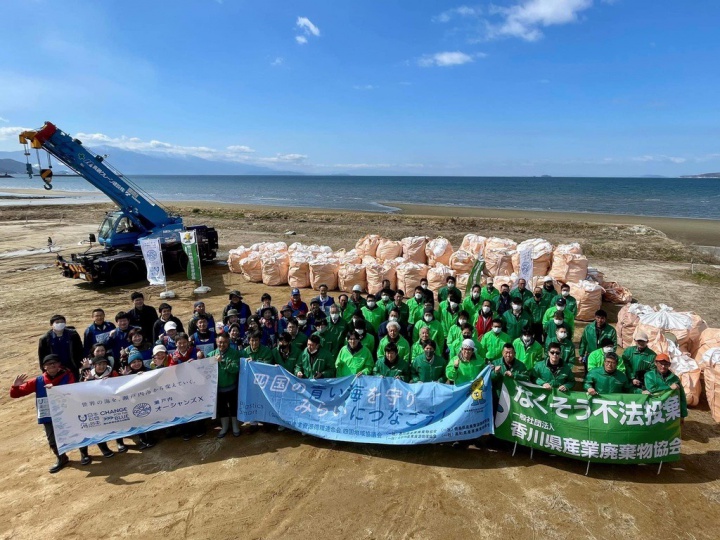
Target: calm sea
pixel 672 197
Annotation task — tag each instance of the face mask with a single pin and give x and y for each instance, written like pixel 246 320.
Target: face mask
pixel 428 318
pixel 392 319
pixel 321 329
pixel 424 286
pixel 334 317
pixel 607 349
pixel 516 308
pixel 453 305
pixel 451 286
pixel 360 332
pixel 562 335
pixel 490 287
pixel 59 326
pixel 462 321
pixel 558 322
pixel 527 340
pixel 302 322
pixel 418 296
pixel 505 294
pixel 385 298
pixel 486 310
pixel 566 294
pixel 560 308
pixel 496 330
pixel 538 295
pixel 429 355
pixel 475 295
pixel 371 304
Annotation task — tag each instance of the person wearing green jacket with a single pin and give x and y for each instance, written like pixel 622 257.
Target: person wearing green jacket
pixel 367 340
pixel 428 366
pixel 256 352
pixel 335 333
pixel 492 342
pixel 394 338
pixel 508 366
pixel 594 333
pixel 467 332
pixel 354 358
pixel 472 302
pixel 346 308
pixel 449 311
pixel 228 360
pixel 419 346
pixel 560 308
pixel 553 372
pixel 596 358
pixel 465 367
pixel 489 292
pixel 567 347
pixel 527 349
pixel 661 379
pixel 444 292
pixel 548 290
pixel 607 379
pixel 402 308
pixel 521 291
pixel 314 362
pixel 535 307
pixel 416 305
pixel 436 331
pixel 638 359
pixel 454 333
pixel 285 354
pixel 550 327
pixel 299 339
pixel 374 314
pixel 391 365
pixel 514 320
pixel 570 301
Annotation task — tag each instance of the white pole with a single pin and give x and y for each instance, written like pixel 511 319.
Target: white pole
pixel 514 448
pixel 660 467
pixel 588 469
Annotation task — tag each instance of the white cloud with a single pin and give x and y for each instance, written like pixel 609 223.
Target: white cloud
pixel 284 158
pixel 302 40
pixel 240 149
pixel 448 58
pixel 525 19
pixel 461 11
pixel 278 61
pixel 660 158
pixel 4 120
pixel 308 27
pixel 11 133
pixel 365 87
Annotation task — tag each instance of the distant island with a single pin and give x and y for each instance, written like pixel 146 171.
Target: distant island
pixel 706 175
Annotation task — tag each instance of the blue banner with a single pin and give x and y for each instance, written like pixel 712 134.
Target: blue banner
pixel 366 409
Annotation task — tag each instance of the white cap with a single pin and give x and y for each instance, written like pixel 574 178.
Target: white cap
pixel 468 344
pixel 158 348
pixel 490 280
pixel 641 336
pixel 357 288
pixel 547 278
pixel 170 326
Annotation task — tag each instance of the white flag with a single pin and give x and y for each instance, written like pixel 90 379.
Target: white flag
pixel 153 260
pixel 526 265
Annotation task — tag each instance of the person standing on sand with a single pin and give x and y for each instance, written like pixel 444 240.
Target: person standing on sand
pixel 607 379
pixel 228 360
pixel 63 341
pixel 141 314
pixel 594 334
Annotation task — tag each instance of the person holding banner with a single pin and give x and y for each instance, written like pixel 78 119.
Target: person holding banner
pixel 607 379
pixel 354 358
pixel 661 379
pixel 638 360
pixel 466 366
pixel 508 366
pixel 391 365
pixel 553 372
pixel 101 369
pixel 257 352
pixel 428 366
pixel 54 374
pixel 228 360
pixel 285 354
pixel 160 358
pixel 314 362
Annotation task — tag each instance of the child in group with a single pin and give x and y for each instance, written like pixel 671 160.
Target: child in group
pixel 101 369
pixel 136 366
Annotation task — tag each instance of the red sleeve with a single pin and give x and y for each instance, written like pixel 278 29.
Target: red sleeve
pixel 25 389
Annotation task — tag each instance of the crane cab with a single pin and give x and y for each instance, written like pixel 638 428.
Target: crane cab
pixel 117 231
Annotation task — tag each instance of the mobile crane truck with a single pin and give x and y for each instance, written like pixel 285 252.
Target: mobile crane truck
pixel 119 259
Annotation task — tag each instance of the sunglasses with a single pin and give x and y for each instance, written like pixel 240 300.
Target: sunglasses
pixel 554 352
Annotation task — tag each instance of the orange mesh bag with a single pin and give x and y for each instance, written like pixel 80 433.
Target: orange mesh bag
pixel 414 249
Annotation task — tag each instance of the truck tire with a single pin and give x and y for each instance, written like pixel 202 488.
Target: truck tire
pixel 124 272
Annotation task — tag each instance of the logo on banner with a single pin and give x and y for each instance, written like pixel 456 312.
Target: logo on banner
pixel 151 255
pixel 477 389
pixel 141 410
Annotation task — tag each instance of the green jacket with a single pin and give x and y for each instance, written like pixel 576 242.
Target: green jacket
pixel 567 350
pixel 591 338
pixel 604 383
pixel 550 330
pixel 454 348
pixel 444 292
pixel 447 318
pixel 549 296
pixel 655 383
pixel 471 306
pixel 321 362
pixel 528 355
pixel 518 370
pixel 335 335
pixel 524 295
pixel 402 345
pixel 465 372
pixel 300 341
pixel 401 368
pixel 571 305
pixel 543 373
pixel 348 312
pixel 415 310
pixel 514 325
pixel 489 295
pixel 404 312
pixel 596 359
pixel 368 341
pixel 228 367
pixel 374 317
pixel 492 344
pixel 264 354
pixel 536 309
pixel 289 361
pixel 637 363
pixel 436 332
pixel 348 363
pixel 423 371
pixel 568 317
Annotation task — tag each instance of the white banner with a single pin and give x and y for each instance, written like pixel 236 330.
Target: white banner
pixel 152 253
pixel 97 411
pixel 526 265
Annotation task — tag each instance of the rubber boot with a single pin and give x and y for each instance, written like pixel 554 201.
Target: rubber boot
pixel 85 458
pixel 62 460
pixel 224 427
pixel 235 426
pixel 105 450
pixel 121 446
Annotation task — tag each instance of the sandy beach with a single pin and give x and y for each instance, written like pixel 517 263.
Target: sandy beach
pixel 301 487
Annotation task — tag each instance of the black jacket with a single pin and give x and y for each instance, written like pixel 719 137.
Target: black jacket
pixel 71 355
pixel 144 318
pixel 159 327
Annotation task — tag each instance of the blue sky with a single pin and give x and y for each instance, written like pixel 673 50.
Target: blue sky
pixel 508 87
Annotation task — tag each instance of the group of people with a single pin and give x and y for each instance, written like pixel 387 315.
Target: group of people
pixel 524 334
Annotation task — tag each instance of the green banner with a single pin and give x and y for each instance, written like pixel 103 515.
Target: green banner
pixel 474 275
pixel 189 245
pixel 611 428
